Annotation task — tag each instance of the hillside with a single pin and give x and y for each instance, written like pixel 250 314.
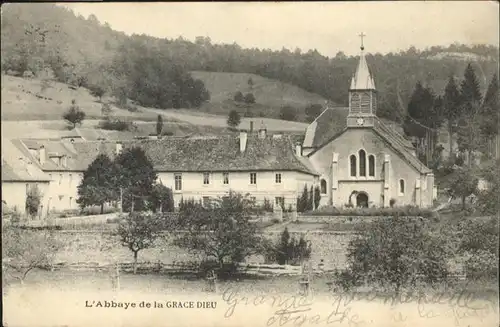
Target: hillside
pixel 270 94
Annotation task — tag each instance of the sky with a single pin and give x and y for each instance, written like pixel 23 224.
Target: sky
pixel 329 27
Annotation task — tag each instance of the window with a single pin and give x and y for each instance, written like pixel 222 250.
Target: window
pixel 401 187
pixel 206 201
pixel 70 179
pixel 50 176
pixel 362 163
pixel 278 178
pixel 206 178
pixel 61 197
pixel 60 179
pixel 253 178
pixel 225 178
pixel 371 165
pixel 27 188
pixel 70 201
pixel 323 186
pixel 178 182
pixel 353 165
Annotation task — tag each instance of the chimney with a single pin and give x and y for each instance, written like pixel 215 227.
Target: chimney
pixel 119 147
pixel 243 141
pixel 41 155
pixel 298 149
pixel 251 126
pixel 262 131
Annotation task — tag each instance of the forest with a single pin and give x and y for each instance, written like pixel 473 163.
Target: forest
pixel 51 40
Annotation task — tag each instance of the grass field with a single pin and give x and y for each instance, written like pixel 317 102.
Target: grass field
pixel 32 109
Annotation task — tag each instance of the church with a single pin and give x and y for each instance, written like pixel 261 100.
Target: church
pixel 362 160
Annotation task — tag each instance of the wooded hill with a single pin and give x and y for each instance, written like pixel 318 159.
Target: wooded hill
pixel 156 72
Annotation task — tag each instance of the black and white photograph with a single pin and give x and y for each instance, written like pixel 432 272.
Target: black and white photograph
pixel 250 164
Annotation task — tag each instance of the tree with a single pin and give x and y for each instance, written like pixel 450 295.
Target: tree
pixel 313 111
pixel 238 97
pixel 488 202
pixel 310 202
pixel 469 88
pixel 136 178
pixel 159 125
pixel 24 250
pixel 463 184
pixel 222 232
pixel 288 250
pixel 288 113
pixel 106 109
pixel 162 199
pixel 317 197
pixel 249 98
pixel 138 231
pixel 33 200
pixel 393 252
pixel 74 115
pixel 97 186
pixel 303 200
pixel 490 113
pixel 234 119
pixel 469 136
pixel 97 91
pixel 250 83
pixel 451 108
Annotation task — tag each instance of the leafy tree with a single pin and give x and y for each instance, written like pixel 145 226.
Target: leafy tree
pixel 463 184
pixel 238 97
pixel 97 186
pixel 393 252
pixel 162 199
pixel 24 250
pixel 469 136
pixel 159 125
pixel 250 83
pixel 249 98
pixel 74 115
pixel 33 200
pixel 451 108
pixel 106 109
pixel 234 119
pixel 488 201
pixel 136 178
pixel 288 113
pixel 313 111
pixel 222 232
pixel 97 91
pixel 303 200
pixel 138 231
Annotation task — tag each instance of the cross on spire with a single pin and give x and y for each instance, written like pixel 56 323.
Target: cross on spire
pixel 361 36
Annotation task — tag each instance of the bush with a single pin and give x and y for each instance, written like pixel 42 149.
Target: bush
pixel 408 211
pixel 394 253
pixel 115 125
pixel 288 250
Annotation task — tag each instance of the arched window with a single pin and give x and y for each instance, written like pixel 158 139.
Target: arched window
pixel 353 164
pixel 362 163
pixel 323 186
pixel 371 165
pixel 401 186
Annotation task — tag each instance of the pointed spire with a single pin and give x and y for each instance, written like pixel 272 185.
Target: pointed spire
pixel 362 79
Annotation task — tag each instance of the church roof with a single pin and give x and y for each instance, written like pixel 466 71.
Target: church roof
pixel 362 79
pixel 332 122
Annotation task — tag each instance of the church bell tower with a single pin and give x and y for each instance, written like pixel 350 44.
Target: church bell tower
pixel 362 95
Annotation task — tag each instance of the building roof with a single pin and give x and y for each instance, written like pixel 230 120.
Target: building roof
pixel 17 167
pixel 362 79
pixel 221 153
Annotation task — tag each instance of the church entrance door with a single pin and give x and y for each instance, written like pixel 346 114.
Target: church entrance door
pixel 362 200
